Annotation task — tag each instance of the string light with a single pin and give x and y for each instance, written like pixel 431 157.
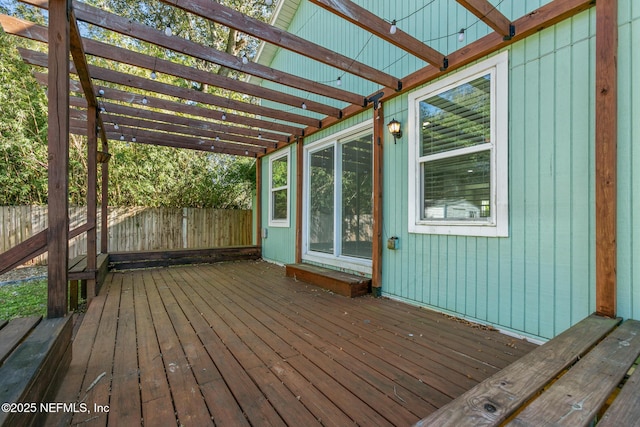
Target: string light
pixel 101 92
pixel 268 2
pixel 145 101
pixel 245 60
pixel 461 35
pixel 393 27
pixel 246 152
pixel 102 109
pixel 339 81
pixel 217 138
pixel 304 106
pixel 167 31
pixel 154 75
pixel 121 137
pixel 115 126
pixel 224 116
pixel 133 139
pixel 259 136
pixel 213 148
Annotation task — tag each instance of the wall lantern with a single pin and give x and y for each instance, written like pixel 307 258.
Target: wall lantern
pixel 394 129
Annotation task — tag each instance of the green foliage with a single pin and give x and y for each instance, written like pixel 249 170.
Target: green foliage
pixel 23 300
pixel 23 130
pixel 139 175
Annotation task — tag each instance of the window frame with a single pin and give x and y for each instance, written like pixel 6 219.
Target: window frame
pixel 335 259
pixel 498 226
pixel 285 153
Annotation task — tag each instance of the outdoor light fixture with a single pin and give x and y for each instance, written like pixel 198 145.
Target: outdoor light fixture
pixel 153 75
pixel 115 126
pixel 224 116
pixel 393 28
pixel 304 106
pixel 394 129
pixel 339 81
pixel 133 139
pixel 245 60
pixel 167 31
pixel 145 101
pixel 121 137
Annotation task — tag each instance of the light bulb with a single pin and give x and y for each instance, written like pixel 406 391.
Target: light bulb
pixel 102 109
pixel 167 31
pixel 121 137
pixel 145 101
pixel 116 127
pixel 153 75
pixel 245 60
pixel 246 152
pixel 133 139
pixel 304 106
pixel 224 116
pixel 213 148
pixel 461 35
pixel 393 28
pixel 101 92
pixel 217 138
pixel 339 81
pixel 259 136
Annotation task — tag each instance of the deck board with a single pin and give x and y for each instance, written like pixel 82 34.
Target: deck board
pixel 241 344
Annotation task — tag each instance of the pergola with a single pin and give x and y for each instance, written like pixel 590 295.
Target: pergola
pixel 105 113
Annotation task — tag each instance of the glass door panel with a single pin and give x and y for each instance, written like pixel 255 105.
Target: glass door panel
pixel 322 200
pixel 356 194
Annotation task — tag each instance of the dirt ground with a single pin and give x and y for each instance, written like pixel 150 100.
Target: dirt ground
pixel 23 273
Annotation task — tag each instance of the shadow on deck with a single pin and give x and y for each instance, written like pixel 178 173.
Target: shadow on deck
pixel 240 344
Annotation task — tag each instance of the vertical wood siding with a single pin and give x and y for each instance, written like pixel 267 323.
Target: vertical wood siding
pixel 540 279
pixel 136 229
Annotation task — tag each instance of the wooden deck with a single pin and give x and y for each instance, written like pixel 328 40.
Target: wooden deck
pixel 238 344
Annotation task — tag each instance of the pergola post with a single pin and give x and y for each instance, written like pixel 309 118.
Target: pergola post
pixel 92 196
pixel 104 208
pixel 299 196
pixel 259 201
pixel 378 149
pixel 606 139
pixel 58 143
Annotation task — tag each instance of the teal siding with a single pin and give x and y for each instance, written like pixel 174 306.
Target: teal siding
pixel 279 246
pixel 629 161
pixel 540 279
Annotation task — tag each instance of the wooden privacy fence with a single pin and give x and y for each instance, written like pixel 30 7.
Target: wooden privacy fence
pixel 135 229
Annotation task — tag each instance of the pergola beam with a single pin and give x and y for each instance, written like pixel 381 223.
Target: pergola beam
pixel 216 12
pixel 491 16
pixel 121 25
pixel 39 59
pixel 368 21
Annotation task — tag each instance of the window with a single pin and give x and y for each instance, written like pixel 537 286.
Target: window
pixel 458 182
pixel 279 189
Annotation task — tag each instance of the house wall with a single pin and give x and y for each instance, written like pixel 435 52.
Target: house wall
pixel 540 279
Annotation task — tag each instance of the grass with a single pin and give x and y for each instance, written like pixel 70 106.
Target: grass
pixel 23 299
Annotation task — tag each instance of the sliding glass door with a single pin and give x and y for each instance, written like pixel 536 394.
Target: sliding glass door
pixel 340 199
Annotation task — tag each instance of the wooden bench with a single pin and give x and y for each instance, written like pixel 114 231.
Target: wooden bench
pixel 34 356
pixel 564 382
pixel 348 285
pixel 78 272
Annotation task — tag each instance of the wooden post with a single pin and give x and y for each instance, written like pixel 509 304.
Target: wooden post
pixel 606 155
pixel 58 140
pixel 104 217
pixel 92 197
pixel 299 192
pixel 378 149
pixel 259 201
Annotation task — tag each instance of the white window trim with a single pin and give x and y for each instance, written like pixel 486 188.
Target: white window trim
pixel 280 222
pixel 360 265
pixel 499 226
